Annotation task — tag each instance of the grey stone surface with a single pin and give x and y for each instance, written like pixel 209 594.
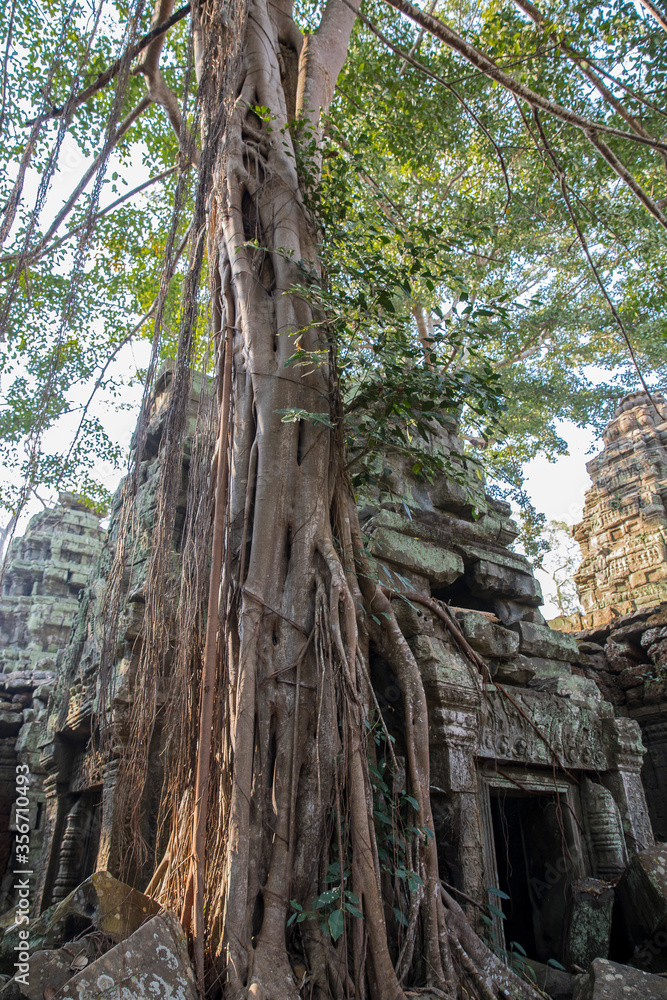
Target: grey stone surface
pixel 492 578
pixel 487 638
pixel 557 984
pixel 540 640
pixel 514 671
pixel 46 969
pixel 642 896
pixel 577 688
pixel 438 565
pixel 102 902
pixel 540 666
pixel 609 981
pixel 152 963
pixel 588 927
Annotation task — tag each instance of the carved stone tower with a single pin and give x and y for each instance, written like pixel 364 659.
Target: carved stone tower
pixel 623 532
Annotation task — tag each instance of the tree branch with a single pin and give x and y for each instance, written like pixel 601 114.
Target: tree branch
pixel 41 250
pixel 560 174
pixel 656 14
pixel 486 65
pixel 581 61
pixel 157 32
pixel 438 79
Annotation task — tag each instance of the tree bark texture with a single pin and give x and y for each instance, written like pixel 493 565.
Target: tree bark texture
pixel 283 786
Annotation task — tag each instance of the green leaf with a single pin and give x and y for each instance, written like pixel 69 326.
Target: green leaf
pixel 498 892
pixel 336 923
pixel 327 897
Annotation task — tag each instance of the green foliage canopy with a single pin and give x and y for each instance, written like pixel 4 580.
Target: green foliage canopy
pixel 454 225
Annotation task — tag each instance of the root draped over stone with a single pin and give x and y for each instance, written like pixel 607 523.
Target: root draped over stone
pixel 272 786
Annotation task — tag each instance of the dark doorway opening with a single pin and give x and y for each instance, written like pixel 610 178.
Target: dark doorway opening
pixel 533 857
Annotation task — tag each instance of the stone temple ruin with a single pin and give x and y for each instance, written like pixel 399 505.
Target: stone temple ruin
pixel 45 573
pixel 623 534
pixel 540 787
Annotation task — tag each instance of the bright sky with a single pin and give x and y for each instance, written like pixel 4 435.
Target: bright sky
pixel 557 489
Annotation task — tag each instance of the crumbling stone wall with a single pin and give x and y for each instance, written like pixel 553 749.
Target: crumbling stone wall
pixel 623 532
pixel 45 572
pixel 622 582
pixel 539 732
pixel 80 780
pixel 526 754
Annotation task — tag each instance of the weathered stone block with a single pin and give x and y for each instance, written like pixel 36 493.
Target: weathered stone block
pixel 399 579
pixel 658 653
pixel 412 619
pixel 30 737
pixel 592 661
pixel 447 494
pixel 609 981
pixel 50 968
pixel 513 611
pixel 440 566
pixel 577 688
pixel 101 902
pixel 152 963
pixel 540 666
pixel 555 983
pixel 590 648
pixel 511 671
pixel 653 635
pixel 642 895
pixel 588 928
pixel 540 640
pixel 487 638
pixel 489 578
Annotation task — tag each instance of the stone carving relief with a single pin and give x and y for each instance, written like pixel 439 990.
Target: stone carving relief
pixel 572 732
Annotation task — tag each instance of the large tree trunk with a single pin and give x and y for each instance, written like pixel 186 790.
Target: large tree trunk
pixel 283 782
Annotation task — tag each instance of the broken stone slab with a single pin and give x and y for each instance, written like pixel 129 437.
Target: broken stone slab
pixel 487 638
pixel 511 671
pixel 610 981
pixel 153 962
pixel 50 968
pixel 642 896
pixel 489 578
pixel 101 902
pixel 557 984
pixel 440 566
pixel 540 666
pixel 588 921
pixel 540 640
pixel 580 689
